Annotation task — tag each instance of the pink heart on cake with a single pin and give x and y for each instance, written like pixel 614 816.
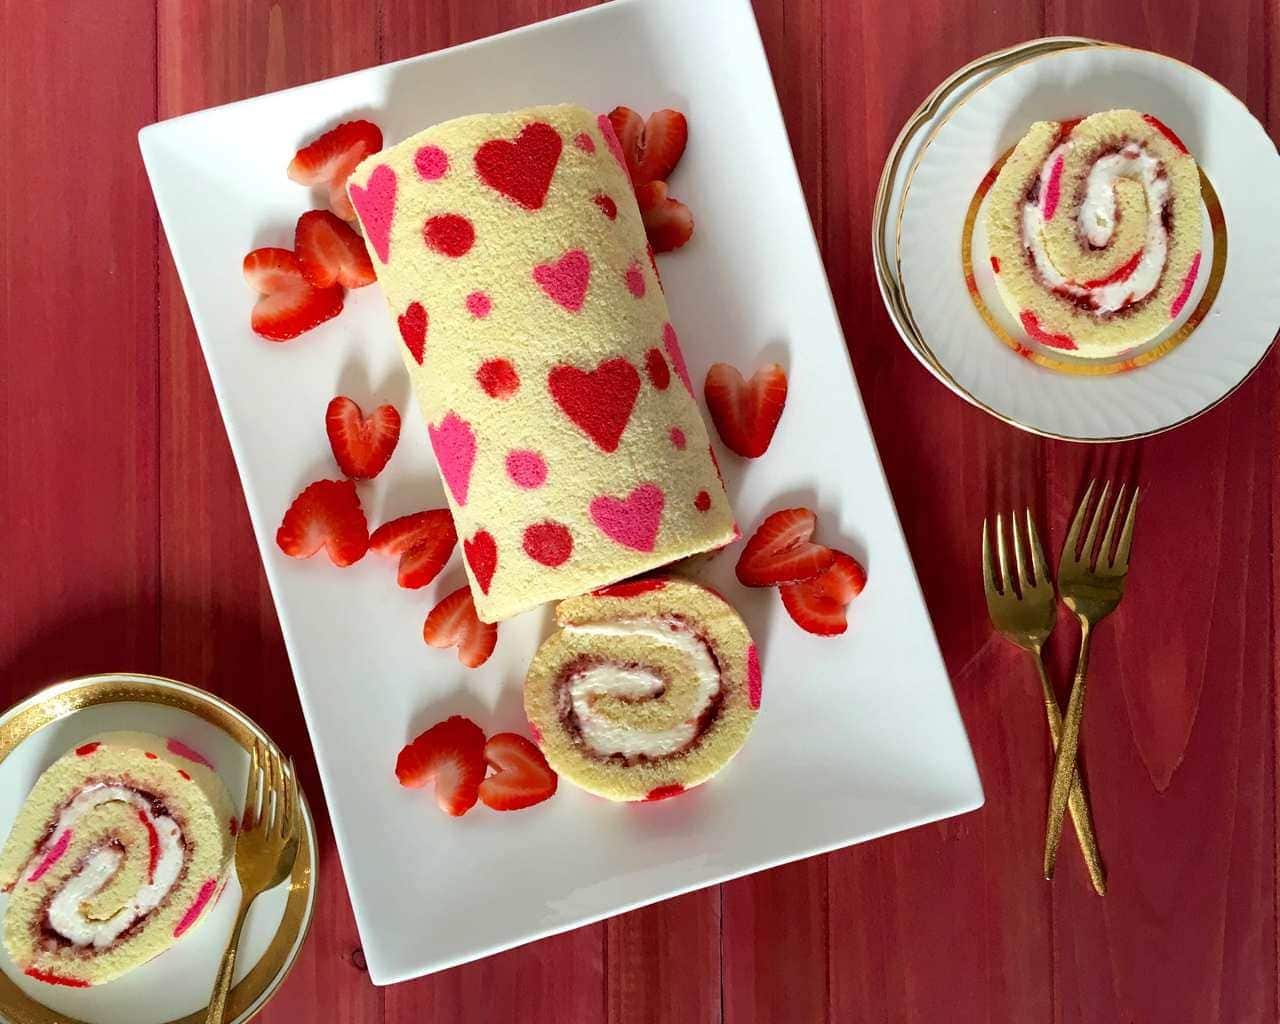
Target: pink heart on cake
pixel 565 281
pixel 482 555
pixel 454 443
pixel 672 344
pixel 611 140
pixel 632 521
pixel 599 401
pixel 521 170
pixel 376 205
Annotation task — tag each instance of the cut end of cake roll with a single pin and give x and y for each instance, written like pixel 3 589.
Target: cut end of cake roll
pixel 1094 227
pixel 534 329
pixel 646 690
pixel 119 850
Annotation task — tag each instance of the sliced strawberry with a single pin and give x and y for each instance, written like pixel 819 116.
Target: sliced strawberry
pixel 818 605
pixel 653 148
pixel 329 252
pixel 362 445
pixel 289 304
pixel 667 221
pixel 521 776
pixel 780 551
pixel 327 515
pixel 423 541
pixel 332 157
pixel 454 621
pixel 450 754
pixel 746 413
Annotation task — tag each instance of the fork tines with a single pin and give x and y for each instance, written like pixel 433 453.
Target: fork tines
pixel 1026 582
pixel 1101 557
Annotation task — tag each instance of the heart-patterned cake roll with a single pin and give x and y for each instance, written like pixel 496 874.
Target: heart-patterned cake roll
pixel 1094 228
pixel 532 322
pixel 121 847
pixel 647 688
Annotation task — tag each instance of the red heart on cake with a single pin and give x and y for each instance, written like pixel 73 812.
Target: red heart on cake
pixel 599 401
pixel 482 555
pixel 521 170
pixel 413 329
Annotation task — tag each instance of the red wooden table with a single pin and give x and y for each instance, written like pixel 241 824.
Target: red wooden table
pixel 125 544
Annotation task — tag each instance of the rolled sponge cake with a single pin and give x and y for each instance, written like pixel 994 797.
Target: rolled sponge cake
pixel 535 332
pixel 1094 228
pixel 645 690
pixel 120 848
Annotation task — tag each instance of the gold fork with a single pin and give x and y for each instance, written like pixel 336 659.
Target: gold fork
pixel 1091 585
pixel 1027 619
pixel 266 849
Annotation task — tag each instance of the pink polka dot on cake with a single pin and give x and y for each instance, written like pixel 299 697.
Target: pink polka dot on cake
pixel 635 280
pixel 432 163
pixel 450 234
pixel 498 378
pixel 678 440
pixel 527 469
pixel 479 305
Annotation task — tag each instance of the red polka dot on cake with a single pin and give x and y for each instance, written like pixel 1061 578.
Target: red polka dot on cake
pixel 635 280
pixel 548 543
pixel 655 367
pixel 432 163
pixel 584 142
pixel 678 440
pixel 498 377
pixel 449 234
pixel 527 469
pixel 479 305
pixel 607 206
pixel 702 502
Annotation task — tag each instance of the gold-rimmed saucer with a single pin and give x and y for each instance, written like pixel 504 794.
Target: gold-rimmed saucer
pixel 33 733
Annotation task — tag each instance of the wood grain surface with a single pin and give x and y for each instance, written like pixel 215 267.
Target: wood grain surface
pixel 126 543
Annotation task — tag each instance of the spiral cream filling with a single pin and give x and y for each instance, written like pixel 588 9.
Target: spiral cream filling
pixel 606 735
pixel 1097 221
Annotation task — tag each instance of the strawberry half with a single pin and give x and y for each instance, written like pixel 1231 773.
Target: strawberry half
pixel 362 445
pixel 423 541
pixel 450 754
pixel 651 148
pixel 454 621
pixel 327 515
pixel 521 776
pixel 289 303
pixel 332 157
pixel 667 221
pixel 329 252
pixel 780 551
pixel 746 413
pixel 818 605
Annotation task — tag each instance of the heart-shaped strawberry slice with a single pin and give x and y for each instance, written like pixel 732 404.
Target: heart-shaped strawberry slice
pixel 453 622
pixel 521 776
pixel 361 445
pixel 327 515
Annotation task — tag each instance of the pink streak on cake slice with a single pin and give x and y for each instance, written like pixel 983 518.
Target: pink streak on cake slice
pixel 1184 293
pixel 1053 190
pixel 190 753
pixel 202 898
pixel 52 857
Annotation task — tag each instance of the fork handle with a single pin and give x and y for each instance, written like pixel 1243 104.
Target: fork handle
pixel 1064 765
pixel 1078 801
pixel 222 985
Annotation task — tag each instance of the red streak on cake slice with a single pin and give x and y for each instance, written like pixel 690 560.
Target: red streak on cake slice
pixel 190 753
pixel 51 858
pixel 50 978
pixel 1166 131
pixel 202 897
pixel 87 749
pixel 1065 128
pixel 1121 273
pixel 184 775
pixel 1031 324
pixel 663 792
pixel 153 846
pixel 1053 190
pixel 1184 292
pixel 152 756
pixel 755 681
pixel 629 588
pixel 995 264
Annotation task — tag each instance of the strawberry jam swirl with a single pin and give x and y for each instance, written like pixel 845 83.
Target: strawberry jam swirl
pixel 1137 274
pixel 633 711
pixel 67 919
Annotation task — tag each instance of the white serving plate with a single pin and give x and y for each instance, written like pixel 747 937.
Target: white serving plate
pixel 1234 152
pixel 857 737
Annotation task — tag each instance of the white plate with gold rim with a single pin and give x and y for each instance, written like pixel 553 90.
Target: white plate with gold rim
pixel 174 987
pixel 1231 332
